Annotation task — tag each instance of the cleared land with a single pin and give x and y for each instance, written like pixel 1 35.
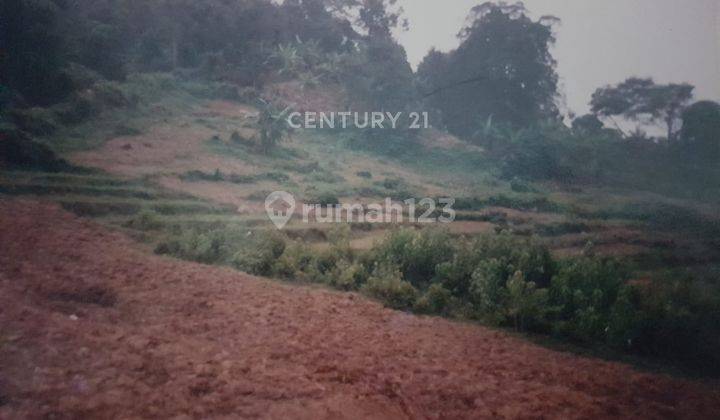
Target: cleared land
pixel 84 335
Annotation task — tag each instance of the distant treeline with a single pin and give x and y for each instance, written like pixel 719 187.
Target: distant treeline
pixel 51 48
pixel 498 89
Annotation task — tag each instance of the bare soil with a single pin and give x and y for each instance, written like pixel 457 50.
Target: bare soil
pixel 92 327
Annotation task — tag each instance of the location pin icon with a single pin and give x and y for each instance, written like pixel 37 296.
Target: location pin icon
pixel 280 207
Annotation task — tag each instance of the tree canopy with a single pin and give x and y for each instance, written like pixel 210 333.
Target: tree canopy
pixel 701 129
pixel 643 100
pixel 503 68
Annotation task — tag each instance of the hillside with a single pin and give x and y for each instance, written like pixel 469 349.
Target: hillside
pixel 270 209
pixel 83 336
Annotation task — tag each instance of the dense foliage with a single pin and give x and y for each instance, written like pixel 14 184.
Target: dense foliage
pixel 52 48
pixel 500 279
pixel 644 100
pixel 502 70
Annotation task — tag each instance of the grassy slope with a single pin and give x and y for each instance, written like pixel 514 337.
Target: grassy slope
pixel 654 229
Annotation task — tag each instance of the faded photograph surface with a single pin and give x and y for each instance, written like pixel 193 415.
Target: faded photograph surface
pixel 359 209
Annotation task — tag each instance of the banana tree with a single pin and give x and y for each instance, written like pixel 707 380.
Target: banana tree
pixel 273 126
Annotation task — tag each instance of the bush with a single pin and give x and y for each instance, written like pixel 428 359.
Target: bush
pixel 326 198
pixel 537 156
pixel 295 263
pixel 673 317
pixel 386 284
pixel 216 246
pixel 487 290
pixel 415 253
pixel 436 300
pixel 584 291
pixel 392 183
pixel 510 202
pixel 347 276
pixel 503 253
pixel 260 254
pixel 500 279
pixel 194 176
pixel 526 305
pixel 145 220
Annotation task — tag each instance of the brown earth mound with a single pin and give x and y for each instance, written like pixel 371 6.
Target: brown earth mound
pixel 92 327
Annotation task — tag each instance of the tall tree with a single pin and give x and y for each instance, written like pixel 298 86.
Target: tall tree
pixel 502 69
pixel 701 129
pixel 31 44
pixel 378 73
pixel 375 17
pixel 643 100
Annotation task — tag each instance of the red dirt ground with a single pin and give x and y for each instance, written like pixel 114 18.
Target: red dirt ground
pixel 93 327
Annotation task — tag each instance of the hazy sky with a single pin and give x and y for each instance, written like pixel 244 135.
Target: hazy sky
pixel 598 42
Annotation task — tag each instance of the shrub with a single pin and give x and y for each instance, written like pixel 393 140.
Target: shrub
pixel 364 174
pixel 584 290
pixel 260 254
pixel 195 175
pixel 415 253
pixel 204 248
pixel 215 246
pixel 487 290
pixel 506 253
pixel 536 156
pixel 674 317
pixel 327 260
pixel 510 202
pixel 435 300
pixel 145 220
pixel 150 86
pixel 297 262
pixel 386 284
pixel 347 276
pixel 526 304
pixel 278 177
pixel 392 183
pixel 326 198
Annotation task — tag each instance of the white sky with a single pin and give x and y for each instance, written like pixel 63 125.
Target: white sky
pixel 598 42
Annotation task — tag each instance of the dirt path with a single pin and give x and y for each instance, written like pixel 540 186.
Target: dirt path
pixel 91 327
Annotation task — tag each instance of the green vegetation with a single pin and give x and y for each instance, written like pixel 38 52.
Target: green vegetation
pixel 559 197
pixel 470 86
pixel 499 279
pixel 218 176
pixel 273 127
